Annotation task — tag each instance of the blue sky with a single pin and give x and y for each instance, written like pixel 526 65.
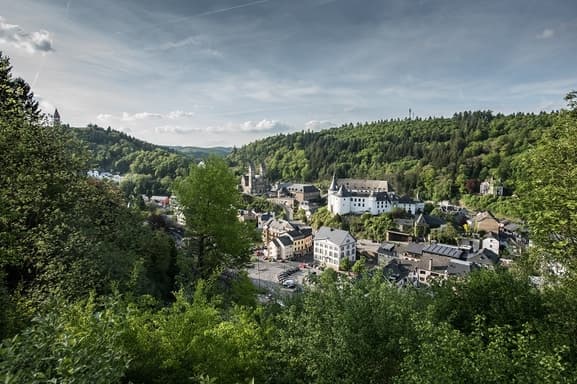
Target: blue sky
pixel 226 72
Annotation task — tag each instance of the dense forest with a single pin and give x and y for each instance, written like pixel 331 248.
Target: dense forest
pixel 434 158
pixel 92 291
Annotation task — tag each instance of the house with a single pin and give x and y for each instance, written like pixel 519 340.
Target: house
pixel 304 192
pixel 490 187
pixel 485 222
pixel 485 258
pixel 491 242
pixel 445 251
pixel 263 218
pixel 333 245
pixel 435 267
pixel 281 248
pixel 410 205
pixel 414 251
pixel 302 239
pixel 274 228
pixel 386 252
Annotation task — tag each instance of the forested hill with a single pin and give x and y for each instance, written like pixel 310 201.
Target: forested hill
pixel 435 157
pixel 202 153
pixel 115 151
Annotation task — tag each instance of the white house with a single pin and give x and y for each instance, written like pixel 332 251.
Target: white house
pixel 368 196
pixel 490 242
pixel 333 245
pixel 281 248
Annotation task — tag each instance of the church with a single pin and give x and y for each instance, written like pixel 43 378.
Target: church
pixel 358 196
pixel 253 183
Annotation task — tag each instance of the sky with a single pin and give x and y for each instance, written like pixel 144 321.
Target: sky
pixel 228 72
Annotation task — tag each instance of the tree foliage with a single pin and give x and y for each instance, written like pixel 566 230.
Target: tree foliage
pixel 210 201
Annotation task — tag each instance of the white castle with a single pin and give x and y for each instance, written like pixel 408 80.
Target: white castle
pixel 359 196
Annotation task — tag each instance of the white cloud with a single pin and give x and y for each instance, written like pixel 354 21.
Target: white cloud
pixel 315 125
pixel 264 126
pixel 175 129
pixel 546 34
pixel 173 115
pixel 40 41
pixel 268 126
pixel 140 116
pixel 104 117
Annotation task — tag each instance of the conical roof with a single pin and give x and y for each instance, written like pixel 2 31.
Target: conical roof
pixel 333 186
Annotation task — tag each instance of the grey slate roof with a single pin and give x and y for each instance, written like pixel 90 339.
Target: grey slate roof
pixel 285 240
pixel 459 267
pixel 386 247
pixel 415 248
pixel 336 236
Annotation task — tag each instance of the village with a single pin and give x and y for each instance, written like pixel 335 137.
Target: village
pixel 411 253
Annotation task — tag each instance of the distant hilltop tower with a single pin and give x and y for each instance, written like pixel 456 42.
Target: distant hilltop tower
pixel 56 117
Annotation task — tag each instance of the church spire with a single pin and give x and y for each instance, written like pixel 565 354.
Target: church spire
pixel 56 117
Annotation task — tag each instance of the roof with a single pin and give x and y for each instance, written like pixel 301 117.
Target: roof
pixel 438 263
pixel 343 192
pixel 415 248
pixel 335 236
pixel 459 267
pixel 431 221
pixel 485 257
pixel 386 247
pixel 407 200
pixel 364 184
pixel 444 250
pixel 305 188
pixel 285 240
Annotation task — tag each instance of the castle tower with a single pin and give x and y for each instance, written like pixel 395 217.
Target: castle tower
pixel 56 118
pixel 333 186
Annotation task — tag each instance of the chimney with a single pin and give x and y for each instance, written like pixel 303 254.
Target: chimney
pixel 430 264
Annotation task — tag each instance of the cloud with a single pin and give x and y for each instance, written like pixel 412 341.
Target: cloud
pixel 315 125
pixel 546 34
pixel 264 126
pixel 40 41
pixel 140 116
pixel 173 115
pixel 268 126
pixel 175 129
pixel 104 117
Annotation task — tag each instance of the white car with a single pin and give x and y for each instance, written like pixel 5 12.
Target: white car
pixel 289 284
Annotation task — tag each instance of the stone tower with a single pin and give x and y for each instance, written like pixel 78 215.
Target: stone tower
pixel 56 118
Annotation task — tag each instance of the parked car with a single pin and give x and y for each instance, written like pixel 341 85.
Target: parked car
pixel 289 284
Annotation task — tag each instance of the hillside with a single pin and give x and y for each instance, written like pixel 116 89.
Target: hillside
pixel 150 168
pixel 437 158
pixel 198 153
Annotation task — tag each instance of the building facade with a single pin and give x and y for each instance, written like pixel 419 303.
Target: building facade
pixel 333 245
pixel 368 196
pixel 253 183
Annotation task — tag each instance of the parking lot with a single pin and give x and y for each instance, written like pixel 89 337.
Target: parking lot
pixel 264 274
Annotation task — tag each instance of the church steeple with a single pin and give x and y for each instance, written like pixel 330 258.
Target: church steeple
pixel 56 117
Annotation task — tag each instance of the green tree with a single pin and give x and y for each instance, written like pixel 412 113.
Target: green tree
pixel 210 200
pixel 547 193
